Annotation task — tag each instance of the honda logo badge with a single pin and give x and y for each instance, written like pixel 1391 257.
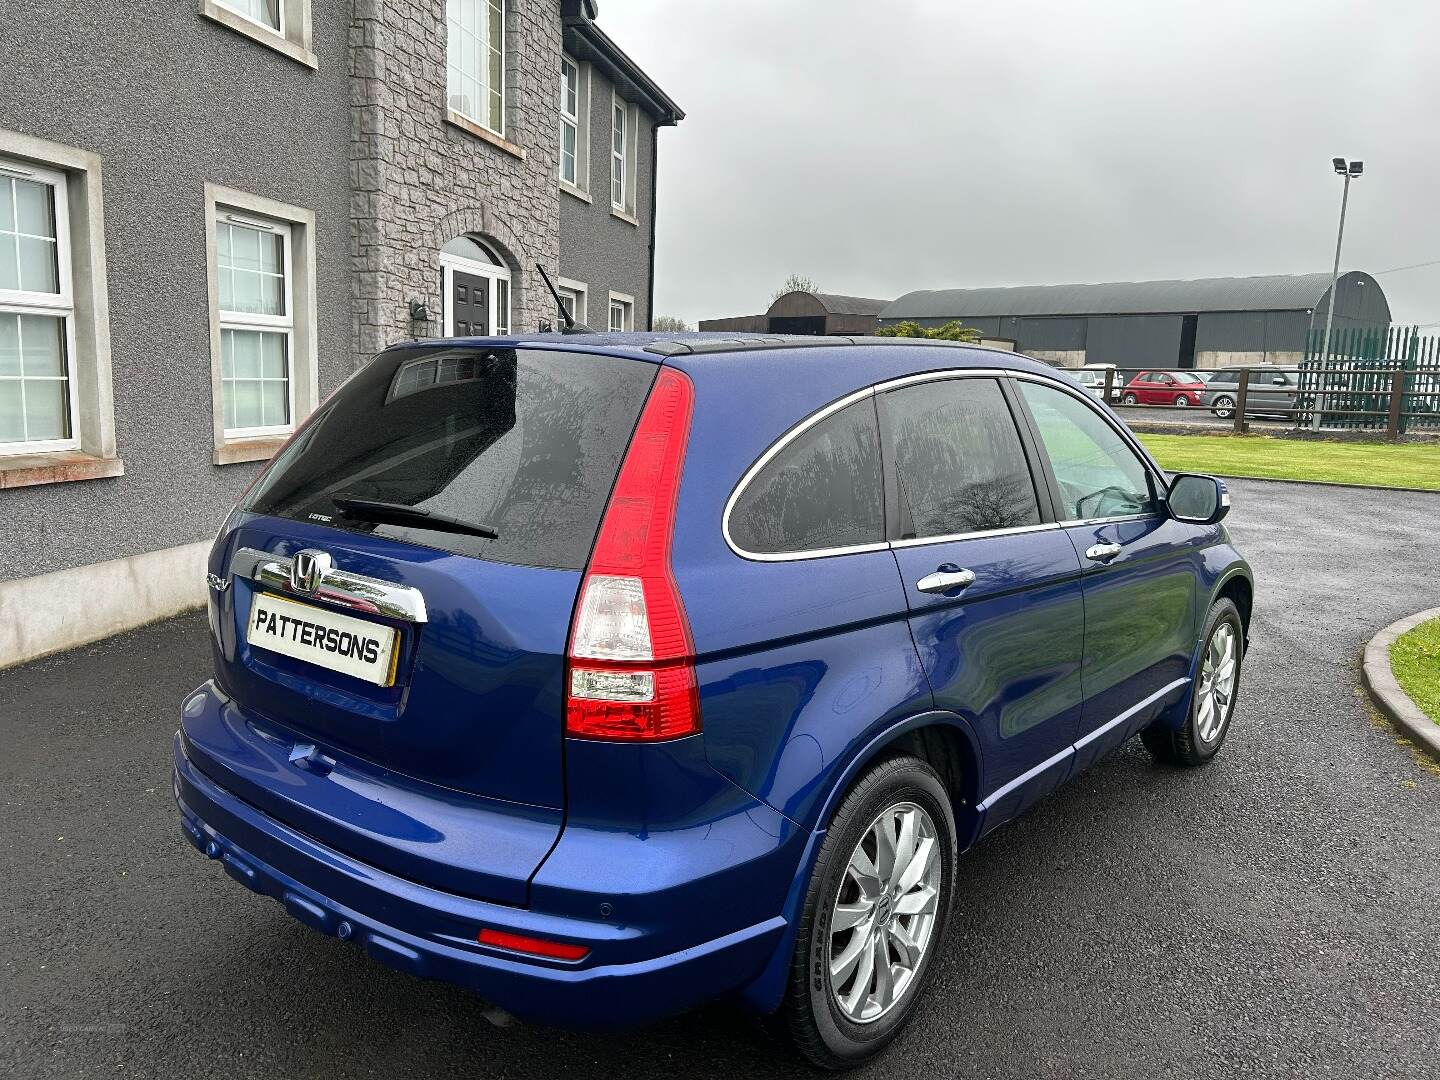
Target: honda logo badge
pixel 308 570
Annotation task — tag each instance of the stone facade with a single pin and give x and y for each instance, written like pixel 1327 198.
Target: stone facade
pixel 421 179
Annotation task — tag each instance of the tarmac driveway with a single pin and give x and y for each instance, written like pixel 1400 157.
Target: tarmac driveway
pixel 1273 914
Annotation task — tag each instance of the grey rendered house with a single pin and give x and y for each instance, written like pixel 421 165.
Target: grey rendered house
pixel 223 207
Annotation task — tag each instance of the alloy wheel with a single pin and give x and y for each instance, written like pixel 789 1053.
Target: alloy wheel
pixel 884 914
pixel 1219 671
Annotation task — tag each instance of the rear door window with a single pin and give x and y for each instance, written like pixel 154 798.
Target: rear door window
pixel 959 463
pixel 822 490
pixel 523 442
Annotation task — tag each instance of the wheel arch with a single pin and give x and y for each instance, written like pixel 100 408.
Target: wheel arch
pixel 1238 586
pixel 946 742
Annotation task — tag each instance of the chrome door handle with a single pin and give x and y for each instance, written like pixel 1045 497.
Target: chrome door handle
pixel 943 582
pixel 1103 553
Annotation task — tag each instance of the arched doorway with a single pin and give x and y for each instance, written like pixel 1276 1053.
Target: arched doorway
pixel 475 285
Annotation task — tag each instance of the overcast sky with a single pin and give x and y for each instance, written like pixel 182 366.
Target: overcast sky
pixel 880 146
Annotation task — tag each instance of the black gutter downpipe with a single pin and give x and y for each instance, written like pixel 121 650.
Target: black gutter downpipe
pixel 654 198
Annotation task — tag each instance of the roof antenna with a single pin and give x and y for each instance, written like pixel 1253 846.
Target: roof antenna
pixel 571 326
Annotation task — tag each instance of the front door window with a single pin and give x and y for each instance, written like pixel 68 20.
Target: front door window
pixel 1099 475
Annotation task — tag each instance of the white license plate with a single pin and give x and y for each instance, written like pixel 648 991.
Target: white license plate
pixel 324 638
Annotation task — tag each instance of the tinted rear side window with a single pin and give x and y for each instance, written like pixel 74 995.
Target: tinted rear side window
pixel 823 490
pixel 959 463
pixel 526 442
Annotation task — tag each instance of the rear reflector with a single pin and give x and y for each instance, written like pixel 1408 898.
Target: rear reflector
pixel 631 661
pixel 531 946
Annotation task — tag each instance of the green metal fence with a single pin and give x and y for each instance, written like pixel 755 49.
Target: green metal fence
pixel 1379 378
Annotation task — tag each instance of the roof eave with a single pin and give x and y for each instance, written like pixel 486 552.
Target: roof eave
pixel 586 41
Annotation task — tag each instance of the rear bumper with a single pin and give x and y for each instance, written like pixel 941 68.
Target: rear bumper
pixel 431 934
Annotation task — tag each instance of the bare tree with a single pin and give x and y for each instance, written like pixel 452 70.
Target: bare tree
pixel 669 324
pixel 795 283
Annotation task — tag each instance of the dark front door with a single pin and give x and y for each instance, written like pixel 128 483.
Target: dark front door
pixel 1141 568
pixel 993 587
pixel 470 305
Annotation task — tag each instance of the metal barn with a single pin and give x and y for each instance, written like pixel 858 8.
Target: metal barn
pixel 1204 323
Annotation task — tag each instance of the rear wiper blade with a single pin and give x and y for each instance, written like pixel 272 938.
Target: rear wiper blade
pixel 388 513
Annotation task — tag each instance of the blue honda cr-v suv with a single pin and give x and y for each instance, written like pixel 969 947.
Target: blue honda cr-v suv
pixel 607 675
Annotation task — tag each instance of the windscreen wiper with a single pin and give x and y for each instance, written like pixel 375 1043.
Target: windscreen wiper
pixel 388 513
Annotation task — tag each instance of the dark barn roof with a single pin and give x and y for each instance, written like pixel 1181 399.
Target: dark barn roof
pixel 1276 292
pixel 836 304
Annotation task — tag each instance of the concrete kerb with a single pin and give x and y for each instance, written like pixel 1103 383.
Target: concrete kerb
pixel 1385 691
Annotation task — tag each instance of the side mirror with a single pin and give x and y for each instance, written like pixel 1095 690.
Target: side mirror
pixel 1198 499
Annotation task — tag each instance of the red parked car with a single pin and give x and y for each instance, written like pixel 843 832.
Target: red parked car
pixel 1174 388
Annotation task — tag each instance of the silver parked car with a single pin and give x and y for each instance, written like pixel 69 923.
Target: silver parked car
pixel 1271 389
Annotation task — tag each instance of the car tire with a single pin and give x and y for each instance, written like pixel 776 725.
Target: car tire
pixel 1223 407
pixel 822 1026
pixel 1129 399
pixel 1212 697
pixel 1182 402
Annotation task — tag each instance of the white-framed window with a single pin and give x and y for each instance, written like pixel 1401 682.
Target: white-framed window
pixel 620 139
pixel 254 279
pixel 569 121
pixel 462 260
pixel 475 61
pixel 38 403
pixel 264 340
pixel 268 13
pixel 574 295
pixel 282 25
pixel 55 393
pixel 622 313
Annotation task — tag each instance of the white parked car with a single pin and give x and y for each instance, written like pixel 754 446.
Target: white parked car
pixel 1092 377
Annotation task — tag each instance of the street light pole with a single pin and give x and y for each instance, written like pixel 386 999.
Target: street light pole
pixel 1350 170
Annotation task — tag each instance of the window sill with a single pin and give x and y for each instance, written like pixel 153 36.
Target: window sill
pixel 575 192
pixel 484 134
pixel 242 450
pixel 624 215
pixel 262 35
pixel 29 470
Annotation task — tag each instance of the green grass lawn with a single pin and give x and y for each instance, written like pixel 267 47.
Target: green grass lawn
pixel 1415 659
pixel 1414 465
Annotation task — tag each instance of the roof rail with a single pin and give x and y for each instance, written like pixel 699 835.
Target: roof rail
pixel 718 345
pixel 800 341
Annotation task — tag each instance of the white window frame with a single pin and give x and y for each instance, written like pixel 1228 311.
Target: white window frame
pixel 626 303
pixel 58 304
pixel 452 96
pixel 498 275
pixel 570 119
pixel 622 155
pixel 300 321
pixel 292 39
pixel 281 324
pixel 82 214
pixel 580 293
pixel 279 12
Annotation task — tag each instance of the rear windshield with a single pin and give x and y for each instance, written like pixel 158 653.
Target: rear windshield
pixel 523 442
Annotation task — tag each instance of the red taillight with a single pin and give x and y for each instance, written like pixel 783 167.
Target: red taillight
pixel 531 946
pixel 631 672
